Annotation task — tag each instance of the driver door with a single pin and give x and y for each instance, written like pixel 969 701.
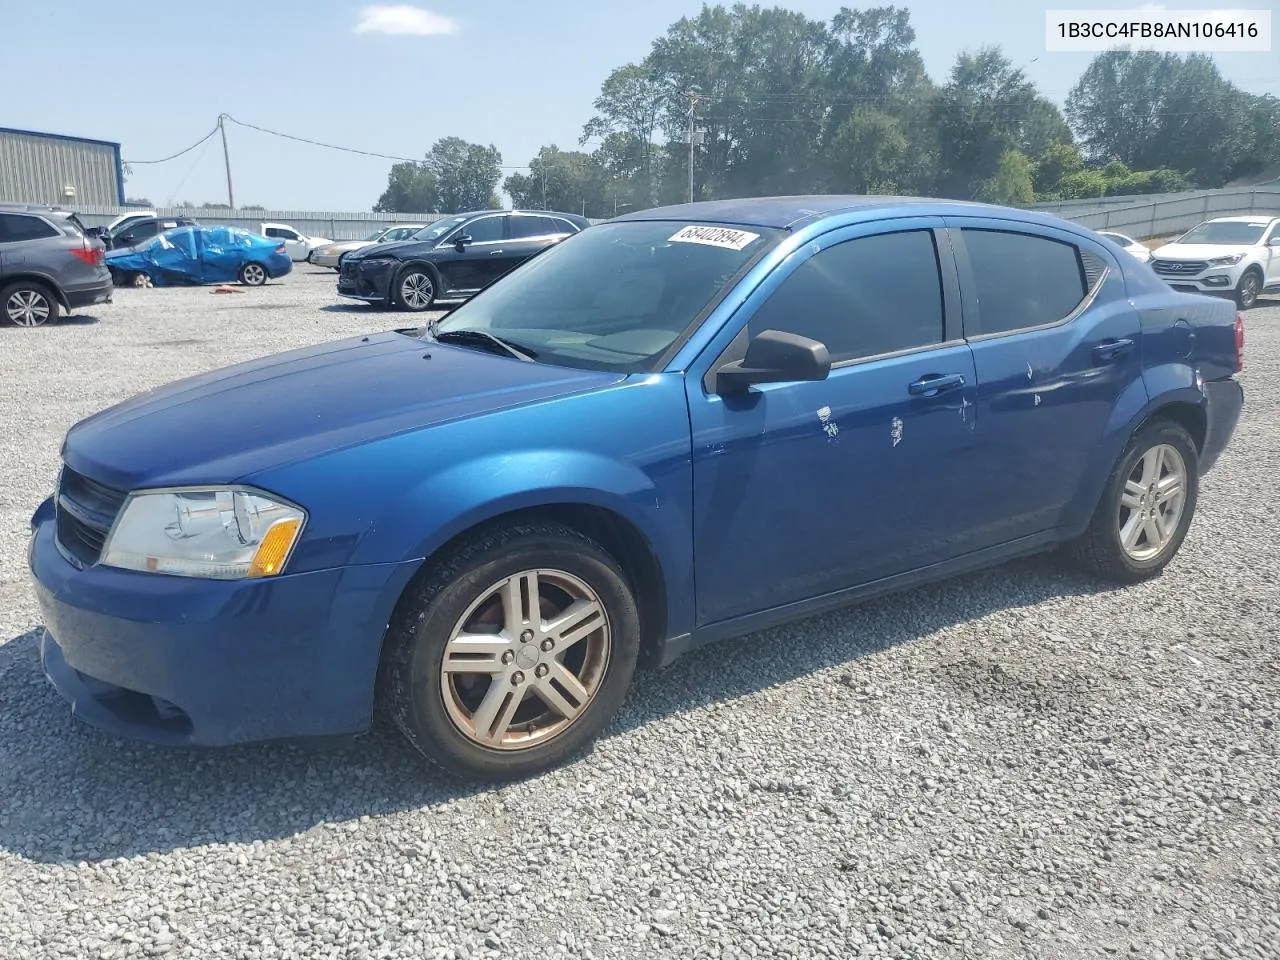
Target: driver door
pixel 481 260
pixel 803 489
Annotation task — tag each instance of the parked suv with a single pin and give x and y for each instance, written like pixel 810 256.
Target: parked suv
pixel 1237 256
pixel 453 258
pixel 47 264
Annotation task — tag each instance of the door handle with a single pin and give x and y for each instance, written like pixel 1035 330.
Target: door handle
pixel 1109 350
pixel 494 253
pixel 936 383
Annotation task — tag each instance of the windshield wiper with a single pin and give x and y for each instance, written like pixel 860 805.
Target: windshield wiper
pixel 478 337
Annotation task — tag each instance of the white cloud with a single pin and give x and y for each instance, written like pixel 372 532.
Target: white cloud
pixel 402 20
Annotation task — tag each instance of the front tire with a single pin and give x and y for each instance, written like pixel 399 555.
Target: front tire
pixel 1146 508
pixel 253 275
pixel 415 289
pixel 489 683
pixel 1248 289
pixel 28 304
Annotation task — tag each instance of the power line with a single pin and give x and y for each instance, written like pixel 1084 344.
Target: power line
pixel 175 156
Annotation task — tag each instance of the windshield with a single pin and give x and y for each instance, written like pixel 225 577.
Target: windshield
pixel 617 295
pixel 377 234
pixel 1237 233
pixel 439 228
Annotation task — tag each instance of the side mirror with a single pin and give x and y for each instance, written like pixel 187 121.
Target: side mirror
pixel 775 357
pixel 1274 241
pixel 461 242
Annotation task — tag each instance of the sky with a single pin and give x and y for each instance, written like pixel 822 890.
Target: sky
pixel 154 75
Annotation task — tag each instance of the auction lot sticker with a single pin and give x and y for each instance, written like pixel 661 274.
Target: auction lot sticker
pixel 1167 31
pixel 725 237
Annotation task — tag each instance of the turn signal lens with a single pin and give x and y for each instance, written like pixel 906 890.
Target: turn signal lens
pixel 274 549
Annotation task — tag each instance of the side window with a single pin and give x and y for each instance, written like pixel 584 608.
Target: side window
pixel 15 227
pixel 1023 280
pixel 484 230
pixel 276 233
pixel 530 227
pixel 562 226
pixel 863 297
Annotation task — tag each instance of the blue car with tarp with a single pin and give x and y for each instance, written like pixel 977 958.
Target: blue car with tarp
pixel 199 254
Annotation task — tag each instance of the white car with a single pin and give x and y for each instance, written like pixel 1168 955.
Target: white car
pixel 1239 256
pixel 297 244
pixel 1130 245
pixel 331 254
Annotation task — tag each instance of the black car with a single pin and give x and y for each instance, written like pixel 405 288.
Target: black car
pixel 453 258
pixel 135 232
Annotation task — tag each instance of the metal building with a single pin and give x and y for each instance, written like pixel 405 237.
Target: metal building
pixel 50 168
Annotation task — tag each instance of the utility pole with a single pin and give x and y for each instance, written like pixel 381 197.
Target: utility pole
pixel 544 188
pixel 226 159
pixel 693 112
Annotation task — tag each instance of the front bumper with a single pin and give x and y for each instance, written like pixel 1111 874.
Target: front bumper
pixel 182 661
pixel 1221 280
pixel 366 281
pixel 1222 413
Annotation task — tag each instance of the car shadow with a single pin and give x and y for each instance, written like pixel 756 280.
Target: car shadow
pixel 261 792
pixel 77 320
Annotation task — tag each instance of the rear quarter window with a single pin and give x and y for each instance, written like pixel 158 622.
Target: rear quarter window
pixel 1023 280
pixel 15 227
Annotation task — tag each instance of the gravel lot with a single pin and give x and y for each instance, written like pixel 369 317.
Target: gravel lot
pixel 1016 764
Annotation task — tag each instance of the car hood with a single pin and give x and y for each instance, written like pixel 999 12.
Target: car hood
pixel 1199 251
pixel 230 424
pixel 343 246
pixel 390 249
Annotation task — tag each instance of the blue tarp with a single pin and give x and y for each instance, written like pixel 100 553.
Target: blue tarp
pixel 199 255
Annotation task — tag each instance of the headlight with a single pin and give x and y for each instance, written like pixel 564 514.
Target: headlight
pixel 219 533
pixel 1226 261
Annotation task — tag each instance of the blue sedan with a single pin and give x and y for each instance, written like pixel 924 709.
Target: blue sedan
pixel 194 255
pixel 677 427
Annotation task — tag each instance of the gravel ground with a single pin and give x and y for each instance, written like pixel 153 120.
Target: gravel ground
pixel 1015 764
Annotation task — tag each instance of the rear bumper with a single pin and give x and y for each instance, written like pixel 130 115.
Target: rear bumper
pixel 86 296
pixel 1222 413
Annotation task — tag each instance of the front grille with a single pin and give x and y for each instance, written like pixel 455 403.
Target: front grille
pixel 1179 268
pixel 86 510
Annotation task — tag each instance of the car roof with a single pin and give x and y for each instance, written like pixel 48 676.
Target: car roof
pixel 1255 218
pixel 789 213
pixel 39 208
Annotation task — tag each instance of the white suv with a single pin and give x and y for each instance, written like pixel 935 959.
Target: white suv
pixel 1235 255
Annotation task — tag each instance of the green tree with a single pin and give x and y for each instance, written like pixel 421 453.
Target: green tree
pixel 987 108
pixel 467 174
pixel 1011 184
pixel 1151 110
pixel 562 180
pixel 870 154
pixel 411 188
pixel 628 111
pixel 137 202
pixel 1056 162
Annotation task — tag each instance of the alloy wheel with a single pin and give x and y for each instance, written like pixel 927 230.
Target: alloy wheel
pixel 142 280
pixel 253 275
pixel 1248 290
pixel 1151 502
pixel 525 660
pixel 27 308
pixel 417 291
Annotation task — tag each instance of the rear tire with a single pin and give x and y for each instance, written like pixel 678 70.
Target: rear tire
pixel 527 685
pixel 1248 289
pixel 1146 508
pixel 27 303
pixel 253 275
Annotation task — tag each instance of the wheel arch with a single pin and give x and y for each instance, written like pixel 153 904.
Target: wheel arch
pixel 49 285
pixel 617 534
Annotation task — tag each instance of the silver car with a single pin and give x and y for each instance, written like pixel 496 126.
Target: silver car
pixel 330 255
pixel 47 264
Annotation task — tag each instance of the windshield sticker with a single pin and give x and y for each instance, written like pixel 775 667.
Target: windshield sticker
pixel 715 237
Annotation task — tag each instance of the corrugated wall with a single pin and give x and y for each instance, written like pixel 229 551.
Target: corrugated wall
pixel 37 169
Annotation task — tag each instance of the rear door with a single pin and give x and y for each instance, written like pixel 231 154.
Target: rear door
pixel 1272 254
pixel 1056 350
